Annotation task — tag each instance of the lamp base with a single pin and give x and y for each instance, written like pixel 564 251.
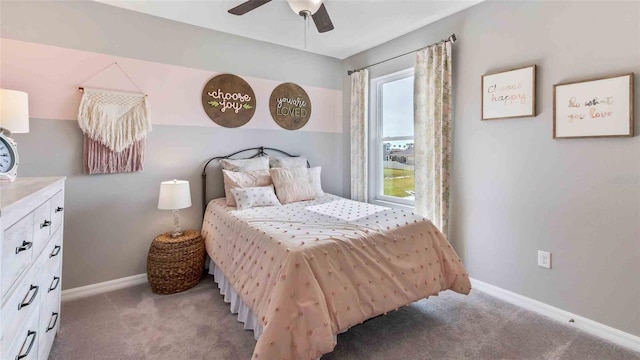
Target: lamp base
pixel 177 232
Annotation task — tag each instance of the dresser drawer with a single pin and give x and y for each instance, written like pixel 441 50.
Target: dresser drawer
pixel 52 253
pixel 50 303
pixel 48 331
pixel 41 226
pixel 23 344
pixel 57 211
pixel 49 269
pixel 50 285
pixel 17 251
pixel 48 325
pixel 21 305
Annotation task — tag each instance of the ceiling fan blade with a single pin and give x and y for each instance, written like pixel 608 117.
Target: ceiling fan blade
pixel 322 20
pixel 245 7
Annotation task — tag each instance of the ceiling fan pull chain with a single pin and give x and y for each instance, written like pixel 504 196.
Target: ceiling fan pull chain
pixel 306 25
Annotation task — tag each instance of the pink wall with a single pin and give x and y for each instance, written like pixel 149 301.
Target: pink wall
pixel 51 75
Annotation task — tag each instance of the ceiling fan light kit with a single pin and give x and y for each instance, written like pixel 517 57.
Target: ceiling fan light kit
pixel 304 7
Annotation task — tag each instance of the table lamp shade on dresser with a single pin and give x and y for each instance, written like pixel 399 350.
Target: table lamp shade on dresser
pixel 14 111
pixel 14 118
pixel 175 195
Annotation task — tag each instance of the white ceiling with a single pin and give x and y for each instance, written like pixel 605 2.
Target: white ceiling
pixel 359 24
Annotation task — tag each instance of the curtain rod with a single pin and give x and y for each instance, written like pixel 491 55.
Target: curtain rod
pixel 451 38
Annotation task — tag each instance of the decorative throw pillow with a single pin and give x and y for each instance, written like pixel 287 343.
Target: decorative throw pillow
pixel 314 179
pixel 254 196
pixel 292 184
pixel 259 163
pixel 288 162
pixel 247 179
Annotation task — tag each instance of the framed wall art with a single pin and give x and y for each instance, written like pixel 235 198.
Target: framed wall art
pixel 509 94
pixel 601 107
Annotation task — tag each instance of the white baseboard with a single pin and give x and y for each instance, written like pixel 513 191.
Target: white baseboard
pixel 103 287
pixel 592 327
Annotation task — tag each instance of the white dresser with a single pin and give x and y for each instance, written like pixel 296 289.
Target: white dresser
pixel 31 227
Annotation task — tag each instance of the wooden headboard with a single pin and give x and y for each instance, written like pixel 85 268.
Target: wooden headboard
pixel 250 154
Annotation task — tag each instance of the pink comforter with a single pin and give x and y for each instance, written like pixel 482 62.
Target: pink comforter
pixel 312 269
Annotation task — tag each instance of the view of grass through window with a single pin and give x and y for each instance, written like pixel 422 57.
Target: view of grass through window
pixel 397 134
pixel 398 169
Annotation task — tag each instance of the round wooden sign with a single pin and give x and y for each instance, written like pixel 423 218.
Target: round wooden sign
pixel 228 100
pixel 290 106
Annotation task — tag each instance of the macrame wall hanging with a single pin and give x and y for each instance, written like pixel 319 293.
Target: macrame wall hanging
pixel 115 125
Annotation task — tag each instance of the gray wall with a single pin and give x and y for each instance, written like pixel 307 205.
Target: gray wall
pixel 515 189
pixel 112 219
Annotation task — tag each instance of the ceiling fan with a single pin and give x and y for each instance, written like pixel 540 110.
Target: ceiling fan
pixel 304 8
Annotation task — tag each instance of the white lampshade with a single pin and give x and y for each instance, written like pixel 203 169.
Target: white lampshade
pixel 174 195
pixel 304 5
pixel 14 111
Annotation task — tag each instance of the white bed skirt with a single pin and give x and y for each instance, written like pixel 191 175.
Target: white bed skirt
pixel 237 306
pixel 245 315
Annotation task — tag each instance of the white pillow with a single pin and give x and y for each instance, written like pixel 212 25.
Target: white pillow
pixel 292 184
pixel 254 196
pixel 288 162
pixel 314 179
pixel 247 179
pixel 259 163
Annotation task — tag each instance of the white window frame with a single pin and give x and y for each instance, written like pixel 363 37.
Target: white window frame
pixel 376 168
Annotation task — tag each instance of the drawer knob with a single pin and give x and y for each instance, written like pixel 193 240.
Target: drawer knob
pixel 45 224
pixel 24 303
pixel 54 284
pixel 59 209
pixel 26 245
pixel 55 251
pixel 22 354
pixel 54 317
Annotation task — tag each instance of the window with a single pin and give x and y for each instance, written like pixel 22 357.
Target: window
pixel 391 160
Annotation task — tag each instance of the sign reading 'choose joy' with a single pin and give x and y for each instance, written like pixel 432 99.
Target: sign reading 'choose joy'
pixel 228 100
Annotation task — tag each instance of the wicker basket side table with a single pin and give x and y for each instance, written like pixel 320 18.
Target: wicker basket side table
pixel 175 264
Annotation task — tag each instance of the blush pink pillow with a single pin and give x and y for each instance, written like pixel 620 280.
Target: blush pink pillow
pixel 247 198
pixel 244 165
pixel 233 180
pixel 292 184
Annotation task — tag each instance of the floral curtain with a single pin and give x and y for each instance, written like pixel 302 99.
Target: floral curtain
pixel 432 123
pixel 359 119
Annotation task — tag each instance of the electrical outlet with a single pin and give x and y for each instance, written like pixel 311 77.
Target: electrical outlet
pixel 544 259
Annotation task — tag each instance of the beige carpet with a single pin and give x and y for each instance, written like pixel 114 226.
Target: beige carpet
pixel 134 323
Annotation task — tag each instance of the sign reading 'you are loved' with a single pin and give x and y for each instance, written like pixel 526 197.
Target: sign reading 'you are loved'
pixel 228 100
pixel 509 94
pixel 594 108
pixel 290 106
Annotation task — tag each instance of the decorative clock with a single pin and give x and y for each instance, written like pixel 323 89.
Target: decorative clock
pixel 8 158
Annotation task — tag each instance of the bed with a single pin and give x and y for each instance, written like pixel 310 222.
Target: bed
pixel 303 272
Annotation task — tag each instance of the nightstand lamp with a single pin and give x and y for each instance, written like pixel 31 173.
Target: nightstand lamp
pixel 175 195
pixel 14 118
